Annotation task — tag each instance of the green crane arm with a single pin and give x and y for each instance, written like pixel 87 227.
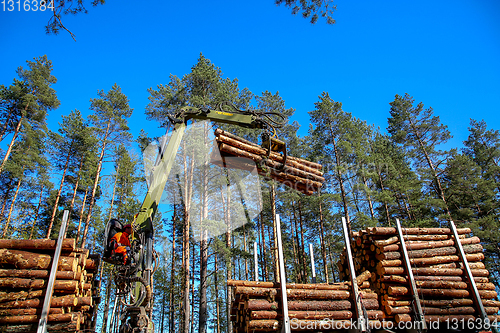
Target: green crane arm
pixel 144 219
pixel 224 113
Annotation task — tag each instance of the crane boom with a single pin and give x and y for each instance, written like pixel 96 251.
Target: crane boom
pixel 136 317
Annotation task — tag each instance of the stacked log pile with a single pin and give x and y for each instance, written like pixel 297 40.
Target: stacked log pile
pixel 257 306
pixel 24 273
pixel 299 174
pixel 438 273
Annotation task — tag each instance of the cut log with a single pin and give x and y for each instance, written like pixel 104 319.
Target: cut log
pixel 84 301
pixel 56 302
pixel 27 260
pixel 431 271
pixel 308 183
pixel 19 295
pixel 90 264
pixel 235 141
pixel 263 325
pixel 311 305
pixel 256 315
pixel 385 231
pixel 16 283
pixel 455 293
pixel 457 303
pixel 420 245
pixel 264 284
pixel 29 311
pixel 365 276
pixel 23 319
pixel 37 244
pixel 39 274
pixel 433 252
pixel 51 327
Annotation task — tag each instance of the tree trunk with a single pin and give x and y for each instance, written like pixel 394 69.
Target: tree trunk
pixel 341 183
pixel 58 196
pixel 386 208
pixel 36 212
pixel 172 276
pixel 263 246
pixel 303 246
pixel 75 190
pixel 229 265
pixel 370 204
pixel 300 273
pixel 12 206
pixel 217 307
pixel 245 249
pixel 96 183
pixel 113 196
pixel 322 239
pixel 106 307
pixel 5 198
pixel 81 216
pixel 185 243
pixel 14 137
pixel 193 272
pixel 275 239
pixel 296 256
pixel 6 124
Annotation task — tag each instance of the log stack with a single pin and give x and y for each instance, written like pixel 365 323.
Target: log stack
pixel 299 174
pixel 24 273
pixel 441 282
pixel 257 306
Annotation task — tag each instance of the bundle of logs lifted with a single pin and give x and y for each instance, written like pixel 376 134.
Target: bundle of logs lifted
pixel 257 306
pixel 299 174
pixel 24 273
pixel 439 275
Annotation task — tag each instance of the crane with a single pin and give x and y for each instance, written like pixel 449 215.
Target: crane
pixel 135 278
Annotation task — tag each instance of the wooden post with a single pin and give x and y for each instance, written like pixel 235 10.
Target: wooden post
pixel 406 260
pixel 256 261
pixel 362 322
pixel 286 320
pixel 313 268
pixel 42 326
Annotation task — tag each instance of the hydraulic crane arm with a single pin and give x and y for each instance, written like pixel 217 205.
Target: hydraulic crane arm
pixel 166 159
pixel 135 318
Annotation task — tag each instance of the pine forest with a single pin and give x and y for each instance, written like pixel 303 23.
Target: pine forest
pixel 92 166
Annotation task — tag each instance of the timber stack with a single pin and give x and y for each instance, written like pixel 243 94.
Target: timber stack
pixel 24 273
pixel 299 174
pixel 439 275
pixel 257 307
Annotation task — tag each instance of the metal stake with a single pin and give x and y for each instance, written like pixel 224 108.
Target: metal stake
pixel 281 259
pixel 42 325
pixel 468 274
pixel 413 289
pixel 312 263
pixel 256 261
pixel 354 284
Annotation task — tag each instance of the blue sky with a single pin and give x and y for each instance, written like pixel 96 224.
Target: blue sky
pixel 444 53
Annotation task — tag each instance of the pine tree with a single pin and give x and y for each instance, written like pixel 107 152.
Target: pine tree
pixel 109 120
pixel 419 131
pixel 68 147
pixel 332 135
pixel 25 103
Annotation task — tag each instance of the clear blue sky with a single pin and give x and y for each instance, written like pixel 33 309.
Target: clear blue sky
pixel 444 53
